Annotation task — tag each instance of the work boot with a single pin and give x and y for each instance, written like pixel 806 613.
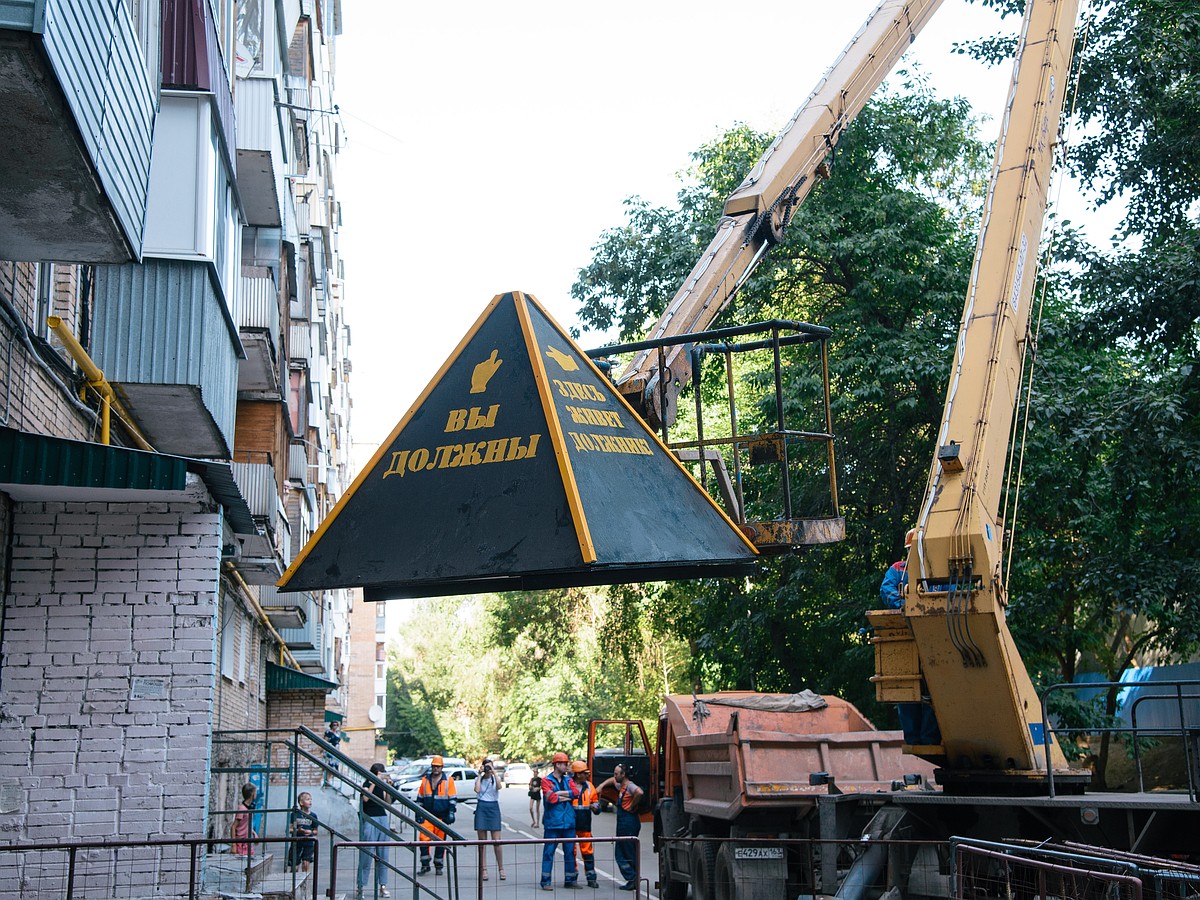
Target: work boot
pixel 424 870
pixel 573 886
pixel 437 868
pixel 593 883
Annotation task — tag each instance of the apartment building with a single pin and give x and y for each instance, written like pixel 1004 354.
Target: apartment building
pixel 174 402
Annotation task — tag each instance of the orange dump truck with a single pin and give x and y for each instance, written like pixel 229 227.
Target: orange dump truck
pixel 736 764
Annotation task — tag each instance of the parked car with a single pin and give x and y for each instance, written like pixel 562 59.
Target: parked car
pixel 518 775
pixel 464 782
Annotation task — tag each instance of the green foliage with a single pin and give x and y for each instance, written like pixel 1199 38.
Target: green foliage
pixel 880 253
pixel 521 674
pixel 1132 143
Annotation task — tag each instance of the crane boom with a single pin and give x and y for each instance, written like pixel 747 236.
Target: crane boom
pixel 986 705
pixel 757 213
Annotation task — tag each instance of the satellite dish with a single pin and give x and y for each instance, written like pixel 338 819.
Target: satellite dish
pixel 375 713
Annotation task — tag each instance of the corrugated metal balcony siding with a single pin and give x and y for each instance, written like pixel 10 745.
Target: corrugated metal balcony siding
pixel 258 305
pixel 301 341
pixel 260 123
pixel 262 145
pixel 163 323
pixel 257 484
pixel 285 609
pixel 191 60
pixel 298 463
pixel 306 638
pixel 94 53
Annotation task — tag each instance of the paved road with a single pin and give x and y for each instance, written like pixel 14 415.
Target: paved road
pixel 522 862
pixel 514 806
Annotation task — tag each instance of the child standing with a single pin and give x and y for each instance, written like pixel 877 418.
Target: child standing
pixel 303 822
pixel 535 798
pixel 241 828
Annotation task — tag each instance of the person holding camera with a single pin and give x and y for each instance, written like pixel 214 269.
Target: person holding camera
pixel 487 817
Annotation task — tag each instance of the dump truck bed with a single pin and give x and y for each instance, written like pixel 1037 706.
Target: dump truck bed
pixel 735 751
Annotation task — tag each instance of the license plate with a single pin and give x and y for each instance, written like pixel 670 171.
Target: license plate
pixel 758 853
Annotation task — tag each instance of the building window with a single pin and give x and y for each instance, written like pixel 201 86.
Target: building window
pixel 229 620
pixel 243 650
pixel 381 670
pixel 45 299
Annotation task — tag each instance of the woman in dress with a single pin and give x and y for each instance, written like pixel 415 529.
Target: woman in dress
pixel 487 817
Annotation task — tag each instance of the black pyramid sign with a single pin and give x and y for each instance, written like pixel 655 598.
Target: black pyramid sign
pixel 519 467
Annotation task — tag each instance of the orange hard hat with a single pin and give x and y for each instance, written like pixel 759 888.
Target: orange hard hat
pixel 579 766
pixel 560 757
pixel 436 761
pixel 910 537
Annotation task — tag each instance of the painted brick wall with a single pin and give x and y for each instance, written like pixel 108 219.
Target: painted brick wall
pixel 286 711
pixel 106 682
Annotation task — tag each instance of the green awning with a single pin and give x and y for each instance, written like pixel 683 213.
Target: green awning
pixel 281 678
pixel 38 466
pixel 331 716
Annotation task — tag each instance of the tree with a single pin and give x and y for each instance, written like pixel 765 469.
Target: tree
pixel 880 253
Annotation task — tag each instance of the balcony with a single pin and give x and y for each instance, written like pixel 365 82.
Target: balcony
pixel 305 646
pixel 77 111
pixel 258 328
pixel 287 611
pixel 163 338
pixel 262 555
pixel 261 157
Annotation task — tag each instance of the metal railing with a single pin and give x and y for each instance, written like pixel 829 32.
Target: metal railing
pixel 983 870
pixel 178 868
pixel 1187 732
pixel 809 481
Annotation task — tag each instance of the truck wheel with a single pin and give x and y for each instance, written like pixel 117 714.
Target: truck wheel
pixel 723 884
pixel 704 870
pixel 669 888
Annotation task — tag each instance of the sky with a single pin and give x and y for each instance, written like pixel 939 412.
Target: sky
pixel 489 145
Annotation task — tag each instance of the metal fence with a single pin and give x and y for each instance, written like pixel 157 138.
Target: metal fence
pixel 161 868
pixel 473 869
pixel 761 868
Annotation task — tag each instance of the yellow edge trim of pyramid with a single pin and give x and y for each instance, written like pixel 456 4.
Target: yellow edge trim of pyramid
pixel 604 379
pixel 389 440
pixel 584 534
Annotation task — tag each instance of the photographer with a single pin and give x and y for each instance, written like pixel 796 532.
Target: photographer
pixel 487 817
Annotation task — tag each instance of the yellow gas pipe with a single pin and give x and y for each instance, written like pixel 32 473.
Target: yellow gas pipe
pixel 96 381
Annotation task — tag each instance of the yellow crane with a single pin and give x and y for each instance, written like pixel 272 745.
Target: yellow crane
pixel 951 637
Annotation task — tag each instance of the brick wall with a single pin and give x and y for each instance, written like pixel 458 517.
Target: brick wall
pixel 362 682
pixel 107 669
pixel 286 711
pixel 35 387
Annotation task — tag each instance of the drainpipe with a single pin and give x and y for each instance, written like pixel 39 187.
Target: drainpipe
pixel 284 653
pixel 96 381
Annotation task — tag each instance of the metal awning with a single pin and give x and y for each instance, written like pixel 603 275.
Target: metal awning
pixel 281 678
pixel 42 467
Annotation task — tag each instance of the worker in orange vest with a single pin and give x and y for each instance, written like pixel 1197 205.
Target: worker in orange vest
pixel 587 803
pixel 438 796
